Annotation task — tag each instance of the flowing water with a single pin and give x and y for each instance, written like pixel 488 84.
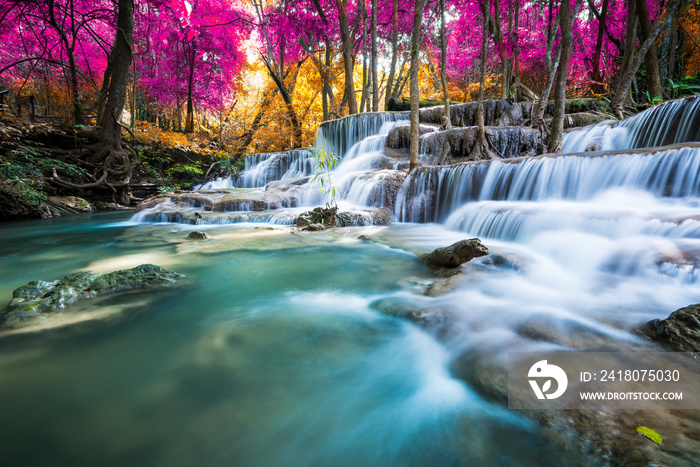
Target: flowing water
pixel 273 350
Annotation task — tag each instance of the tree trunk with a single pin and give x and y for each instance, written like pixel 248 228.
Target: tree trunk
pixel 364 100
pixel 189 119
pixel 479 149
pixel 347 56
pixel 672 57
pixel 630 38
pixel 505 63
pixel 567 38
pixel 516 51
pixel 109 149
pixel 626 79
pixel 77 111
pixel 394 54
pixel 446 117
pixel 597 78
pixel 415 93
pixel 652 62
pixel 552 66
pixel 69 49
pixel 324 94
pixel 373 34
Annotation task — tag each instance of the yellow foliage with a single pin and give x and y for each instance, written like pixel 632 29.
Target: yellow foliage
pixel 150 133
pixel 689 20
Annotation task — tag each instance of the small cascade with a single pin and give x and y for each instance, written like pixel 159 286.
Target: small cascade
pixel 261 169
pixel 432 193
pixel 665 124
pixel 339 136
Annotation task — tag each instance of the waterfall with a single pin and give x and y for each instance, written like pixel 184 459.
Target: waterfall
pixel 432 193
pixel 261 169
pixel 338 136
pixel 664 124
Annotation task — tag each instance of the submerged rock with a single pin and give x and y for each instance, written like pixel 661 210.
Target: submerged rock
pixel 455 254
pixel 679 332
pixel 197 235
pixel 400 308
pixel 31 302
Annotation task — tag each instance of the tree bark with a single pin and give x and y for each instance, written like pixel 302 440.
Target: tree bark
pixel 630 38
pixel 189 118
pixel 516 51
pixel 415 93
pixel 347 56
pixel 109 150
pixel 552 66
pixel 597 85
pixel 364 100
pixel 394 54
pixel 505 63
pixel 652 61
pixel 69 48
pixel 672 57
pixel 446 117
pixel 479 149
pixel 567 38
pixel 373 33
pixel 626 79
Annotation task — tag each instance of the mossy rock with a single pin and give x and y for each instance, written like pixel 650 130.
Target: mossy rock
pixel 32 301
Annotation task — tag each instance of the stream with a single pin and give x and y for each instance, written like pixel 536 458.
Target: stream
pixel 274 349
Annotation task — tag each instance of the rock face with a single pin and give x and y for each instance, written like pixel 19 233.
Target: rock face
pixel 451 146
pixel 456 254
pixel 400 136
pixel 679 332
pixel 31 302
pixel 73 204
pixel 385 187
pixel 13 206
pixel 496 113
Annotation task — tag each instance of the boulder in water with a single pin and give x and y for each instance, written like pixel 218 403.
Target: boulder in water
pixel 31 302
pixel 679 332
pixel 456 254
pixel 197 235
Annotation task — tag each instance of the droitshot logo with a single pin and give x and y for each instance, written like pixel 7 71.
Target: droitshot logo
pixel 546 373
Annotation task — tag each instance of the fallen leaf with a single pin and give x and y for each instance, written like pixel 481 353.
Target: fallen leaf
pixel 649 433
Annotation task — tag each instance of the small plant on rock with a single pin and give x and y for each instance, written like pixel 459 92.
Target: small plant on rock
pixel 326 162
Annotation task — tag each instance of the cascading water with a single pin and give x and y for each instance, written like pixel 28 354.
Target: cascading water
pixel 261 169
pixel 669 123
pixel 338 136
pixel 431 193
